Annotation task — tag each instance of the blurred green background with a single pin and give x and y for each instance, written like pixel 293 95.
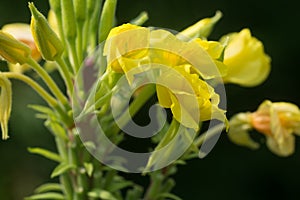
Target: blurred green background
pixel 228 172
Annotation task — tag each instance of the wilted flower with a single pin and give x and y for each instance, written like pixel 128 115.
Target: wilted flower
pixel 248 65
pixel 277 121
pixel 5 104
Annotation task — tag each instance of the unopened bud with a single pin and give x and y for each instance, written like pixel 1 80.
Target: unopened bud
pixel 13 50
pixel 46 39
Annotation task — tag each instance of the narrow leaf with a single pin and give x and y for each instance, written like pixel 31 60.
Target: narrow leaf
pixel 46 153
pixel 169 196
pixel 49 195
pixel 61 168
pixel 102 194
pixel 47 187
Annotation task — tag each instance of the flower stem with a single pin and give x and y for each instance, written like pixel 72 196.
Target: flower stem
pixel 66 75
pixel 137 104
pixel 209 134
pixel 34 85
pixel 49 81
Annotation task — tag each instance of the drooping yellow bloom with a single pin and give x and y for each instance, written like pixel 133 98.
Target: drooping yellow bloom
pixel 181 88
pixel 248 65
pixel 277 121
pixel 5 104
pixel 21 32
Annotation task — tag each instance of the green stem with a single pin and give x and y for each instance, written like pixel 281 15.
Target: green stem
pixel 137 104
pixel 74 56
pixel 34 85
pixel 209 134
pixel 66 75
pixel 49 81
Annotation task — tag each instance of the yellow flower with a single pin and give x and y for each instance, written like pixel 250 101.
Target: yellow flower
pixel 126 43
pixel 190 99
pixel 216 51
pixel 21 32
pixel 248 65
pixel 5 104
pixel 129 47
pixel 277 121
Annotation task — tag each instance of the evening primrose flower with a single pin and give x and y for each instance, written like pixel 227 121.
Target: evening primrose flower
pixel 21 32
pixel 124 44
pixel 129 46
pixel 247 63
pixel 277 121
pixel 5 104
pixel 216 51
pixel 183 101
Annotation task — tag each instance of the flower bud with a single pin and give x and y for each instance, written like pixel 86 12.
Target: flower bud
pixel 46 39
pixel 248 64
pixel 5 104
pixel 107 19
pixel 13 50
pixel 202 28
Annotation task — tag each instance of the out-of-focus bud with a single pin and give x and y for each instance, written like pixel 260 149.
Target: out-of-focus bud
pixel 248 64
pixel 22 33
pixel 13 50
pixel 46 39
pixel 5 104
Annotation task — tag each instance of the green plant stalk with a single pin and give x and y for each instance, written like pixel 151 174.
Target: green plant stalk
pixel 137 104
pixel 65 75
pixel 70 30
pixel 49 82
pixel 209 134
pixel 34 85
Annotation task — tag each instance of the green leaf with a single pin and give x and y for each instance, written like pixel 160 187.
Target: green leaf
pixel 48 187
pixel 169 196
pixel 102 194
pixel 62 168
pixel 46 153
pixel 89 167
pixel 118 186
pixel 49 195
pixel 42 109
pixel 56 129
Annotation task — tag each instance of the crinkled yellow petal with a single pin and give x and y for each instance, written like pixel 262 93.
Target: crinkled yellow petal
pixel 188 52
pixel 129 41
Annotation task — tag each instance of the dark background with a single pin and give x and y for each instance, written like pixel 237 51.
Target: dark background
pixel 228 172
